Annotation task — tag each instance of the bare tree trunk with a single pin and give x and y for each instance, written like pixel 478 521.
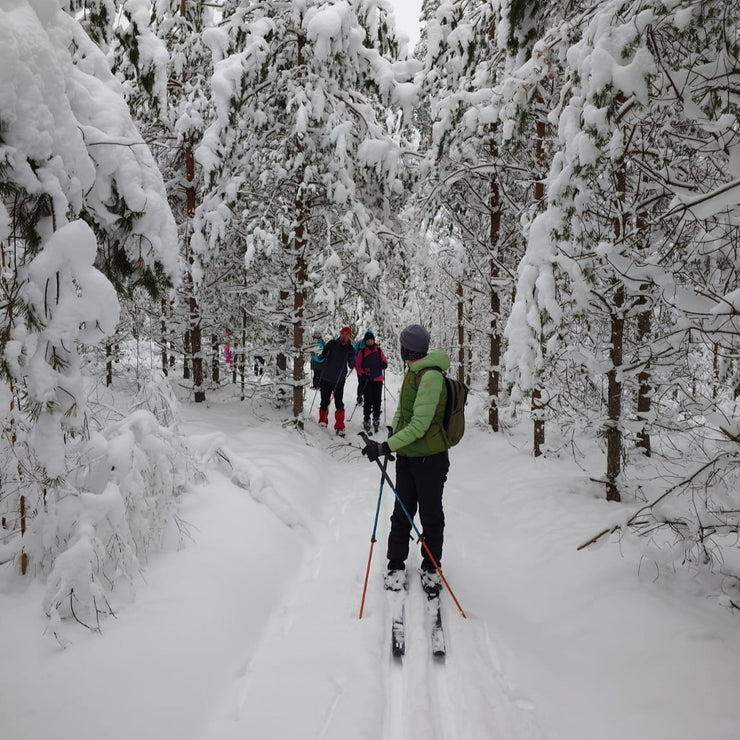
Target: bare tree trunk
pixel 469 344
pixel 24 554
pixel 163 336
pixel 109 364
pixel 616 356
pixel 9 307
pixel 299 290
pixel 460 332
pixel 614 400
pixel 644 327
pixel 281 360
pixel 199 394
pixel 196 339
pixel 644 401
pixel 243 356
pixel 194 325
pixel 299 297
pixel 215 364
pixel 539 196
pixel 186 355
pixel 494 370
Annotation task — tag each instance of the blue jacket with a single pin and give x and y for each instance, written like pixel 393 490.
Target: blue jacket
pixel 316 357
pixel 338 360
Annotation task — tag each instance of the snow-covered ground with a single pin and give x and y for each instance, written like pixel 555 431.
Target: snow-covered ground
pixel 251 629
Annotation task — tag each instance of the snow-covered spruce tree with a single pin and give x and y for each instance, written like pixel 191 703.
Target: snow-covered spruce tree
pixel 608 229
pixel 165 63
pixel 72 166
pixel 527 90
pixel 301 152
pixel 468 194
pixel 693 163
pixel 590 222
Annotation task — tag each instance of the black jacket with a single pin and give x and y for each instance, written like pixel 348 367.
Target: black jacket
pixel 338 360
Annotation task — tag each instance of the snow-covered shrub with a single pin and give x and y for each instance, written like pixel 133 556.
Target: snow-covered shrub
pixel 83 495
pixel 89 488
pixel 118 507
pixel 695 513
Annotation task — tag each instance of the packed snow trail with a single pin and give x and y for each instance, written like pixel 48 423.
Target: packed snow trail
pixel 246 625
pixel 319 668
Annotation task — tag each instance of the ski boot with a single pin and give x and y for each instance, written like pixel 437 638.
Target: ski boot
pixel 394 580
pixel 430 582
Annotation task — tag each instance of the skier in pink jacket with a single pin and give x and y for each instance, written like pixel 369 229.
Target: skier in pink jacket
pixel 370 364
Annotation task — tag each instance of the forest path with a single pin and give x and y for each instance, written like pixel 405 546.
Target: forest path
pixel 319 668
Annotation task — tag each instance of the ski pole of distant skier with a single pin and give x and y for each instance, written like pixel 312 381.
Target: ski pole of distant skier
pixel 421 539
pixel 385 400
pixel 360 390
pixel 372 537
pixel 313 400
pixel 316 390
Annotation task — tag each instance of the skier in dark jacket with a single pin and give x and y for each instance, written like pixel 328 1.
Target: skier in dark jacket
pixel 422 461
pixel 338 357
pixel 369 366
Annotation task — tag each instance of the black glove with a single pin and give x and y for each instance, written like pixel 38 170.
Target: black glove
pixel 374 450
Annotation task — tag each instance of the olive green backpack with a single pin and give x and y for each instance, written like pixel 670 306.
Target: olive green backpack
pixel 453 417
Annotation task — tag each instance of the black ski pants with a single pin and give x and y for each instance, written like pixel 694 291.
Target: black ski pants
pixel 372 399
pixel 362 381
pixel 420 483
pixel 317 368
pixel 327 387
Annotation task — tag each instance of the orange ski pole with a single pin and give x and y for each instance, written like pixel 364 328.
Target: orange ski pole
pixel 372 538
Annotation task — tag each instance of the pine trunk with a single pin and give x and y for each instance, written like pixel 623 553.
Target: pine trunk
pixel 644 402
pixel 494 369
pixel 109 364
pixel 196 339
pixel 186 355
pixel 614 401
pixel 460 332
pixel 644 327
pixel 616 356
pixel 285 330
pixel 243 357
pixel 539 196
pixel 215 365
pixel 163 337
pixel 299 297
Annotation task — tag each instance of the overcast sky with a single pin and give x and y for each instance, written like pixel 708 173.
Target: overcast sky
pixel 407 18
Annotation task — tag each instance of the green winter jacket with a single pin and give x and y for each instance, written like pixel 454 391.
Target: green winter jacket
pixel 417 424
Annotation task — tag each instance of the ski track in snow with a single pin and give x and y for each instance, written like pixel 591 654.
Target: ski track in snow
pixel 461 697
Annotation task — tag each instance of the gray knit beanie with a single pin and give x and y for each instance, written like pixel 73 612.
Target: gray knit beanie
pixel 415 340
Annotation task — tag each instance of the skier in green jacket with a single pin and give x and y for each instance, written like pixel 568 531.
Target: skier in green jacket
pixel 422 461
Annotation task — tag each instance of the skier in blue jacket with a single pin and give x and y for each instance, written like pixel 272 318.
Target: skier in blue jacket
pixel 317 363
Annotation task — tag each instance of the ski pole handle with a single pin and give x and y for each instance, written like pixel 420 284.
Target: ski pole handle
pixel 388 457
